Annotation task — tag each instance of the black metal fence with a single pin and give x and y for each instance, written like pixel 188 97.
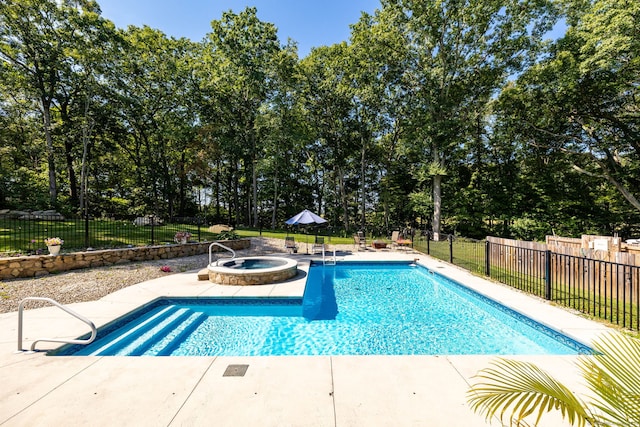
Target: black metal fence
pixel 26 236
pixel 602 289
pixel 466 253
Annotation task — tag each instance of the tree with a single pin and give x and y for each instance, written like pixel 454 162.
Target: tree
pixel 583 100
pixel 284 131
pixel 329 104
pixel 241 55
pixel 37 38
pixel 378 57
pixel 152 87
pixel 460 53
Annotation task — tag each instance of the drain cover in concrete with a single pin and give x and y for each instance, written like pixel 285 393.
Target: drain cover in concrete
pixel 235 371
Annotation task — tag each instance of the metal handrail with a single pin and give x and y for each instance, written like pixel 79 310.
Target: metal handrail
pixel 233 253
pixel 80 317
pixel 324 262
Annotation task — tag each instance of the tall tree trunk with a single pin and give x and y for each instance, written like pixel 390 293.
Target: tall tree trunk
pixel 236 194
pixel 168 191
pixel 46 117
pixel 437 205
pixel 363 159
pixel 87 127
pixel 343 198
pixel 218 184
pixel 437 197
pixel 247 193
pixel 68 156
pixel 275 200
pixel 84 180
pixel 182 184
pixel 254 175
pixel 231 196
pixel 254 188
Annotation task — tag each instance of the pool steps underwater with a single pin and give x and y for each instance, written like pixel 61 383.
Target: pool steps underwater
pixel 157 334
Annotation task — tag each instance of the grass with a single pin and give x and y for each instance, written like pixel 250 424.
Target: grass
pixel 469 255
pixel 300 237
pixel 28 236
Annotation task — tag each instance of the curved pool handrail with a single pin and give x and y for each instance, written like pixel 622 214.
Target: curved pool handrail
pixel 78 316
pixel 233 253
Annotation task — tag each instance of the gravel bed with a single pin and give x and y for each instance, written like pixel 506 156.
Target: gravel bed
pixel 95 283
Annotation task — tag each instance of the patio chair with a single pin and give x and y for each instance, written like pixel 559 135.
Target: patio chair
pixel 360 241
pixel 290 244
pixel 398 240
pixel 395 235
pixel 318 245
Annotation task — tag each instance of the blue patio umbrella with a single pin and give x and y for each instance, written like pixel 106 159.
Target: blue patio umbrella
pixel 306 217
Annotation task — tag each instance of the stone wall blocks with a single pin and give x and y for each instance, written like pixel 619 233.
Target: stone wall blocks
pixel 40 265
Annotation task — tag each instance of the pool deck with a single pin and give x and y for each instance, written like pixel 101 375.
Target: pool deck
pixel 37 390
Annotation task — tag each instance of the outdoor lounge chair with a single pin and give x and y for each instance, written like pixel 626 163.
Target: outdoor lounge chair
pixel 318 245
pixel 359 241
pixel 290 244
pixel 395 235
pixel 363 238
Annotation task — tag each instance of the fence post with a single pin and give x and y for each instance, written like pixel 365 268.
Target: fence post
pixel 487 258
pixel 428 239
pixel 450 238
pixel 86 231
pixel 153 225
pixel 547 275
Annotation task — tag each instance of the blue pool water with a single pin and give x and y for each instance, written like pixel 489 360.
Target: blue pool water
pixel 347 309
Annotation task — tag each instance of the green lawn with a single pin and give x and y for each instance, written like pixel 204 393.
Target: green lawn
pixel 28 236
pixel 469 255
pixel 299 236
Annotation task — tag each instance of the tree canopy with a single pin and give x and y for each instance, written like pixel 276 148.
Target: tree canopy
pixel 450 116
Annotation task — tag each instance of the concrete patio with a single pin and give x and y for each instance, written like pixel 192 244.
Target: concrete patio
pixel 39 390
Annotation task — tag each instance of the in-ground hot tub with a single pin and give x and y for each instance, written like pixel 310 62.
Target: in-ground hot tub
pixel 252 270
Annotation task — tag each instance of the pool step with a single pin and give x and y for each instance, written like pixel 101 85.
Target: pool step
pixel 144 343
pixel 154 322
pixel 168 343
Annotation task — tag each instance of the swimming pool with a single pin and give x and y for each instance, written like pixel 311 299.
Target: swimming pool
pixel 355 308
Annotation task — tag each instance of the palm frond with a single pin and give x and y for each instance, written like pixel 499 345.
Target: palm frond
pixel 519 389
pixel 613 376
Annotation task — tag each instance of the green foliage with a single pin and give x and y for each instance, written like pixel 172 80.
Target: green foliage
pixel 517 390
pixel 578 107
pixel 529 229
pixel 31 186
pixel 117 206
pixel 399 125
pixel 228 235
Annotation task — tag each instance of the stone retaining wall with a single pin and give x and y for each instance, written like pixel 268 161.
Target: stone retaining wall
pixel 41 265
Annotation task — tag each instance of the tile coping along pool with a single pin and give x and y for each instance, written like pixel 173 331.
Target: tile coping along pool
pixel 266 302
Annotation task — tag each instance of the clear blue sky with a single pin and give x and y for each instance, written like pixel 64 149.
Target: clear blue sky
pixel 311 23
